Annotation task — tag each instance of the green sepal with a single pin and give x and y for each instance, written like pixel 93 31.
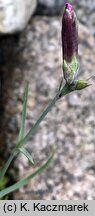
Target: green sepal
pixel 70 70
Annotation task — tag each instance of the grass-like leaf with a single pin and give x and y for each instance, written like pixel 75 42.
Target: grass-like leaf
pixel 25 180
pixel 40 119
pixel 23 118
pixel 27 154
pixel 7 164
pixel 21 133
pixel 62 92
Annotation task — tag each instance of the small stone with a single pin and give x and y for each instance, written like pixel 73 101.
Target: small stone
pixel 74 100
pixel 14 15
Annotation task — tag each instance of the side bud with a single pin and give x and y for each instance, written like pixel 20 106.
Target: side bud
pixel 69 44
pixel 81 84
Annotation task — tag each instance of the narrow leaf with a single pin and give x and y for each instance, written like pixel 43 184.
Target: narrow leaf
pixel 25 180
pixel 27 154
pixel 61 84
pixel 22 126
pixel 7 164
pixel 40 119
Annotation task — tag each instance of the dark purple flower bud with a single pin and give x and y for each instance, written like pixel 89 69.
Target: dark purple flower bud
pixel 69 33
pixel 69 44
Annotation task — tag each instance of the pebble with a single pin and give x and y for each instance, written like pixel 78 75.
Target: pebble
pixel 14 16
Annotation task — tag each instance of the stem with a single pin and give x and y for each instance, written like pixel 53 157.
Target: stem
pixel 25 139
pixel 42 116
pixel 62 92
pixel 65 90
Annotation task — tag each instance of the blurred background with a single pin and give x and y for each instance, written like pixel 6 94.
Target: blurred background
pixel 30 49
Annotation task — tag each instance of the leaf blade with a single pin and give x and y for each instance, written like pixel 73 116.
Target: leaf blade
pixel 27 154
pixel 23 117
pixel 25 180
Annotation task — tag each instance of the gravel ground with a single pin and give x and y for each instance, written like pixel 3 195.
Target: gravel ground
pixel 70 126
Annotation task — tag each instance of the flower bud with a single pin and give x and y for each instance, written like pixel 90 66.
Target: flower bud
pixel 69 44
pixel 81 84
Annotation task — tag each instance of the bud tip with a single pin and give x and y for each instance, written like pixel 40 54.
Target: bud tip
pixel 68 6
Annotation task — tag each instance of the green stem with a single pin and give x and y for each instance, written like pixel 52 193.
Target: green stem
pixel 24 140
pixel 35 126
pixel 65 90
